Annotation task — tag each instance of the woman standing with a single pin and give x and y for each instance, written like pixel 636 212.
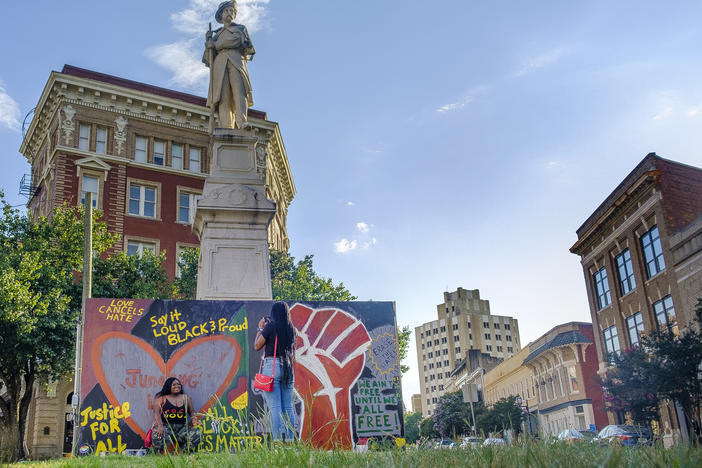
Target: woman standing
pixel 173 410
pixel 279 401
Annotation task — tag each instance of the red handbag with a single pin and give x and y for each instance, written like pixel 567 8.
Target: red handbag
pixel 147 439
pixel 262 381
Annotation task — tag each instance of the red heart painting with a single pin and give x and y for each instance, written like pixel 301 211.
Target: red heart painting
pixel 130 370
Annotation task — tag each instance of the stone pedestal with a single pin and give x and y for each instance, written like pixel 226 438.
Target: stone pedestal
pixel 232 221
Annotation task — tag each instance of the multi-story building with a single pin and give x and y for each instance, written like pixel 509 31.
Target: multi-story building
pixel 143 153
pixel 641 253
pixel 464 323
pixel 556 378
pixel 417 403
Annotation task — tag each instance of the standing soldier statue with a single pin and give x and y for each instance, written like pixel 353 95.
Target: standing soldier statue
pixel 227 50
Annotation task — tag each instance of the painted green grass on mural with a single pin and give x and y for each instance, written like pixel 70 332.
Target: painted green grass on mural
pixel 298 455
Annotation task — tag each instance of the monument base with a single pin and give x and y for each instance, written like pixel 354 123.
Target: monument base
pixel 232 220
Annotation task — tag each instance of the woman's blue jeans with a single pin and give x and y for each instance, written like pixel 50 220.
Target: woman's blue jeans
pixel 279 402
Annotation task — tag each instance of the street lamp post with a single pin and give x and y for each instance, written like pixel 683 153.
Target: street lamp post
pixel 518 401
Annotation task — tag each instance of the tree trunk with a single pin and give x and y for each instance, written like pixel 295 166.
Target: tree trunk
pixel 24 406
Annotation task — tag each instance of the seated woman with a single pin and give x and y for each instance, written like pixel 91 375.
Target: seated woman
pixel 174 417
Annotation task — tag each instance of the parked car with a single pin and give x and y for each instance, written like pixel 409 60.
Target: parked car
pixel 471 442
pixel 493 441
pixel 574 435
pixel 445 443
pixel 624 434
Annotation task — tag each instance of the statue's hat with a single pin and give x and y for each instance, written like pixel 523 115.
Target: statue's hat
pixel 221 7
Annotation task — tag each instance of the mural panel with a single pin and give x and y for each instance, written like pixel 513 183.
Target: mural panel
pixel 346 377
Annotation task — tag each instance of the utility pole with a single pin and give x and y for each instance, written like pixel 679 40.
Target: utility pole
pixel 87 287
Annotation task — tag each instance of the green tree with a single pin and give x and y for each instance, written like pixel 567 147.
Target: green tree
pixel 139 277
pixel 504 414
pixel 292 281
pixel 631 386
pixel 665 367
pixel 186 283
pixel 39 302
pixel 452 415
pixel 427 429
pixel 403 339
pixel 412 421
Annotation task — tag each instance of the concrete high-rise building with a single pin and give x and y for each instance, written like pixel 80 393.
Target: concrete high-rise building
pixel 463 323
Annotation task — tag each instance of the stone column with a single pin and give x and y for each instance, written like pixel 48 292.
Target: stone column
pixel 231 220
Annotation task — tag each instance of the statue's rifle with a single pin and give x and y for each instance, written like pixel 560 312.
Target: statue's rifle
pixel 210 59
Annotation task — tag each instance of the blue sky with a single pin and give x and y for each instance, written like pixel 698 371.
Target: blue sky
pixel 433 144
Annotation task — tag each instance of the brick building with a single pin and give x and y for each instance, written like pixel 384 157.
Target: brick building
pixel 464 323
pixel 143 152
pixel 641 253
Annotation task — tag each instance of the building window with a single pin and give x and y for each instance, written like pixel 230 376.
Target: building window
pixel 159 152
pixel 431 365
pixel 470 336
pixel 499 349
pixel 422 345
pixel 573 379
pixel 488 347
pixel 665 314
pixel 84 137
pixel 602 288
pixel 436 331
pixel 142 200
pixel 486 325
pixel 90 184
pixel 634 325
pixel 468 323
pixel 441 388
pixel 498 337
pixel 138 247
pixel 431 355
pixel 487 336
pixel 611 339
pixel 101 140
pixel 187 202
pixel 458 350
pixel 436 342
pixel 508 338
pixel 507 326
pixel 443 329
pixel 140 146
pixel 446 362
pixel 455 326
pixel 177 156
pixel 496 325
pixel 653 252
pixel 627 282
pixel 438 364
pixel 445 351
pixel 421 334
pixel 510 349
pixel 443 340
pixel 194 162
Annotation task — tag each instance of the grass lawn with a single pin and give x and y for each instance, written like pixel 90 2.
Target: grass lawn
pixel 539 455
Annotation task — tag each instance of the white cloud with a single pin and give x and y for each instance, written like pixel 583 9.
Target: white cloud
pixel 9 110
pixel 551 164
pixel 465 100
pixel 666 112
pixel 694 111
pixel 183 58
pixel 345 245
pixel 367 245
pixel 362 227
pixel 547 58
pixel 350 203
